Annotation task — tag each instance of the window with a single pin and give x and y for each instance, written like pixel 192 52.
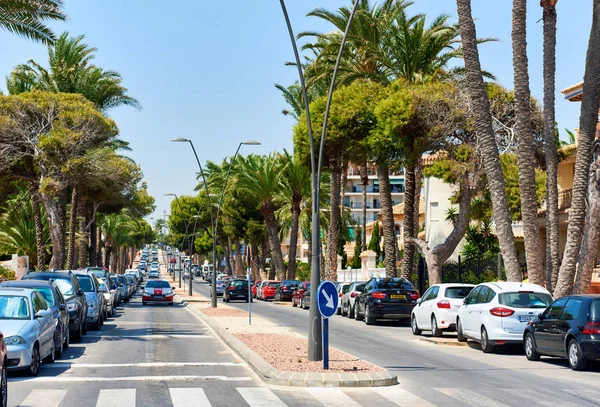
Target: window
pixel 64 286
pixel 458 292
pixel 434 293
pixel 472 298
pixel 554 310
pixel 572 310
pixel 426 295
pixel 14 307
pixel 526 299
pixel 485 295
pixel 397 283
pixel 86 283
pixel 434 212
pixel 46 292
pixel 38 302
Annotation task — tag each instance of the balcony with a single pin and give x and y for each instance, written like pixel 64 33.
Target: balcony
pixel 358 205
pixel 374 189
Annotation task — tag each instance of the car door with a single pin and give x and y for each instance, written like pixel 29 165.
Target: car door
pixel 63 313
pixel 484 296
pixel 362 298
pixel 569 318
pixel 47 324
pixel 466 311
pixel 425 307
pixel 545 333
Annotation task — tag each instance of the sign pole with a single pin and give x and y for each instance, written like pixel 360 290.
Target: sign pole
pixel 326 343
pixel 249 289
pixel 327 302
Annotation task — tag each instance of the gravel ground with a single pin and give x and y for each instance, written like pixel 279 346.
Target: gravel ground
pixel 223 312
pixel 290 352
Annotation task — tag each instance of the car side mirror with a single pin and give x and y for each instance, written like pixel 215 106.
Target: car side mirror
pixel 465 301
pixel 419 300
pixel 541 317
pixel 80 293
pixel 43 313
pixel 173 288
pixel 62 307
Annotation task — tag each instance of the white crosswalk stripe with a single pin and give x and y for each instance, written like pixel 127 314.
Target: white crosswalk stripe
pixel 44 398
pixel 260 397
pixel 116 398
pixel 332 397
pixel 470 397
pixel 528 395
pixel 587 394
pixel 186 396
pixel 402 397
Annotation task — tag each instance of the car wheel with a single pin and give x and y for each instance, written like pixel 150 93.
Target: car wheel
pixel 302 304
pixel 144 303
pixel 60 348
pixel 51 357
pixel 414 326
pixel 459 332
pixel 84 326
pixel 171 303
pixel 357 315
pixel 530 348
pixel 294 303
pixel 435 331
pixel 369 320
pixel 576 359
pixel 486 346
pixel 339 311
pixel 4 384
pixel 350 311
pixel 67 340
pixel 34 366
pixel 101 318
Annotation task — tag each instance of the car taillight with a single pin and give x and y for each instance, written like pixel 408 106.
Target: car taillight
pixel 378 295
pixel 231 288
pixel 284 288
pixel 591 328
pixel 415 296
pixel 340 295
pixel 354 294
pixel 501 312
pixel 444 304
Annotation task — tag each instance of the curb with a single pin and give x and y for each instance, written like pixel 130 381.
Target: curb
pixel 273 376
pixel 436 341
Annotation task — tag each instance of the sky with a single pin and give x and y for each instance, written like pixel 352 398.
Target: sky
pixel 205 70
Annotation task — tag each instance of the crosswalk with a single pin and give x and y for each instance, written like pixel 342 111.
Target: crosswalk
pixel 318 397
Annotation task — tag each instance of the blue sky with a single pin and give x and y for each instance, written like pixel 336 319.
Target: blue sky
pixel 205 70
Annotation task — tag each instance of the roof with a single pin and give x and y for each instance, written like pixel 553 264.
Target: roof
pixel 399 209
pixel 429 159
pixel 571 88
pixel 15 291
pixel 515 286
pixel 574 93
pixel 26 283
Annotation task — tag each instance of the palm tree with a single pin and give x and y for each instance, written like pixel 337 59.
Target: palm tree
pixel 260 177
pixel 26 18
pixel 552 234
pixel 489 150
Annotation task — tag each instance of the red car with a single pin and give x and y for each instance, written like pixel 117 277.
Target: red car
pixel 297 296
pixel 4 367
pixel 268 290
pixel 255 287
pixel 159 291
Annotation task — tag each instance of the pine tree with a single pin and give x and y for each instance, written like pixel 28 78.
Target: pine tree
pixel 374 243
pixel 357 249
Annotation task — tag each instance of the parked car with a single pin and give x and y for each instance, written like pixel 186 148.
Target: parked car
pixel 131 284
pixel 297 296
pixel 56 303
pixel 568 328
pixel 342 289
pixel 124 287
pixel 386 298
pixel 305 299
pixel 496 314
pixel 136 274
pixel 436 310
pixel 68 284
pixel 100 272
pixel 28 326
pixel 158 291
pixel 109 298
pixel 220 286
pixel 349 298
pixel 286 289
pixel 95 299
pixel 143 264
pixel 236 290
pixel 196 271
pixel 187 274
pixel 254 287
pixel 3 373
pixel 260 289
pixel 115 286
pixel 268 289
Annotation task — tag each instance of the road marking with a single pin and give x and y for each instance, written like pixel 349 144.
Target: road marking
pixel 586 394
pixel 186 396
pixel 147 337
pixel 260 397
pixel 402 397
pixel 116 398
pixel 537 397
pixel 189 378
pixel 44 398
pixel 144 365
pixel 333 397
pixel 470 397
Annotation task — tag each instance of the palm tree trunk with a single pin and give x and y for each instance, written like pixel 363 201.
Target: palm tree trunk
pixel 489 149
pixel 333 235
pixel 552 221
pixel 82 252
pixel 417 207
pixel 525 154
pixel 268 211
pixel 588 122
pixel 255 257
pixel 72 227
pixel 39 230
pixel 53 214
pixel 114 262
pixel 62 205
pixel 239 261
pixel 98 246
pixel 230 256
pixel 264 252
pixel 291 273
pixel 387 220
pixel 409 223
pixel 364 180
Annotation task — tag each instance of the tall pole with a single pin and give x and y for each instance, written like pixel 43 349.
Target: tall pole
pixel 315 339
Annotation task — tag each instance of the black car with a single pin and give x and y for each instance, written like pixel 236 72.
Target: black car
pixel 74 297
pixel 236 290
pixel 286 290
pixel 568 328
pixel 56 302
pixel 386 298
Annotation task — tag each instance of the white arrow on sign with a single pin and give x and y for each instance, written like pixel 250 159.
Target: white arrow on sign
pixel 329 299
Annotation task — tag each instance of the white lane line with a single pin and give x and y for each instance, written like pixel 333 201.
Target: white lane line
pixel 116 398
pixel 331 397
pixel 186 396
pixel 44 398
pixel 147 337
pixel 188 378
pixel 144 365
pixel 470 398
pixel 260 397
pixel 538 397
pixel 402 397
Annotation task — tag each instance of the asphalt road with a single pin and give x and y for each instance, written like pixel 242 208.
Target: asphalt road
pixel 443 375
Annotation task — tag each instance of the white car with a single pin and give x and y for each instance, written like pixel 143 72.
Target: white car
pixel 495 314
pixel 153 273
pixel 109 296
pixel 436 310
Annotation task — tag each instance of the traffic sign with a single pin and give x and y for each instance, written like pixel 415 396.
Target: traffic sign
pixel 327 299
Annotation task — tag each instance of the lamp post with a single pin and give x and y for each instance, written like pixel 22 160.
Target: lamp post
pixel 184 234
pixel 215 220
pixel 315 338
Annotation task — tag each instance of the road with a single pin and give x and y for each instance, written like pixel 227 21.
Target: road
pixel 445 375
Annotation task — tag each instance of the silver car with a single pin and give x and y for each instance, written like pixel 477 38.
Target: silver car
pixel 154 273
pixel 349 298
pixel 220 287
pixel 28 326
pixel 95 299
pixel 109 297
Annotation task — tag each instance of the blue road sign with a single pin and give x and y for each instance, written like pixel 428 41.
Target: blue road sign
pixel 327 299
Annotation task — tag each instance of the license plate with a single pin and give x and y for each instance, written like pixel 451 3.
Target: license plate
pixel 398 296
pixel 526 318
pixel 157 297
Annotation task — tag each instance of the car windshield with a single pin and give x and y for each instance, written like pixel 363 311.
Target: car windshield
pixel 64 286
pixel 47 294
pixel 158 284
pixel 99 272
pixel 86 283
pixel 114 280
pixel 239 283
pixel 290 282
pixel 458 292
pixel 525 299
pixel 359 287
pixel 400 283
pixel 129 278
pixel 274 284
pixel 14 307
pixel 121 279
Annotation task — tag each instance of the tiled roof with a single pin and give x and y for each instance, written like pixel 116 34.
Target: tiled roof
pixel 572 88
pixel 399 209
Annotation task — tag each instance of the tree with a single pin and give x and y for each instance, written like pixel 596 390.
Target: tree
pixel 374 243
pixel 26 18
pixel 489 150
pixel 356 263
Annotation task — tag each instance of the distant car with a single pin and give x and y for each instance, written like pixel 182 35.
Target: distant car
pixel 56 303
pixel 436 310
pixel 3 373
pixel 153 273
pixel 386 298
pixel 158 291
pixel 114 286
pixel 95 299
pixel 268 289
pixel 131 284
pixel 342 289
pixel 236 290
pixel 348 300
pixel 187 274
pixel 28 326
pixel 137 275
pixel 109 298
pixel 305 299
pixel 568 328
pixel 496 314
pixel 220 286
pixel 255 287
pixel 285 291
pixel 297 295
pixel 124 287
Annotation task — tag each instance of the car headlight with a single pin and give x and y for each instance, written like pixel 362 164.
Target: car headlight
pixel 92 304
pixel 14 340
pixel 146 292
pixel 72 307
